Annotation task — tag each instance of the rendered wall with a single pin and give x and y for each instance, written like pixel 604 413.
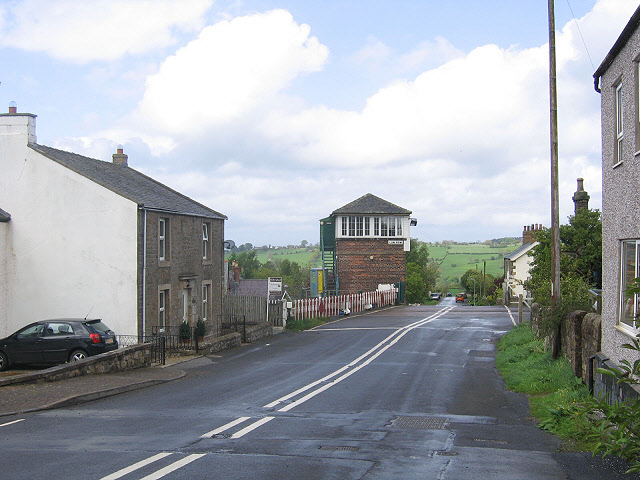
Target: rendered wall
pixel 73 241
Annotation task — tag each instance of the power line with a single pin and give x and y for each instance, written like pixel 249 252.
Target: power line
pixel 581 37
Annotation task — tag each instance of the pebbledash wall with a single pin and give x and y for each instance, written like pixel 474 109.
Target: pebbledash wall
pixel 363 264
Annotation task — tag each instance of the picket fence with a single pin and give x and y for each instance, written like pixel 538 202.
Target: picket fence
pixel 332 306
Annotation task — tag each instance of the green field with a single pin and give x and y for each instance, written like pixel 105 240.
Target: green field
pixel 302 256
pixel 456 259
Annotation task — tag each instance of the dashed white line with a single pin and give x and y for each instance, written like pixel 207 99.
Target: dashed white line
pixel 173 467
pixel 136 466
pixel 224 427
pixel 11 423
pixel 251 427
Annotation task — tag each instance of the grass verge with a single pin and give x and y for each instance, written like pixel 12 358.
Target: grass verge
pixel 305 323
pixel 555 394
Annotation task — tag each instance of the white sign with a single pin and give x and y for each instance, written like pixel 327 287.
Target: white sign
pixel 396 242
pixel 275 284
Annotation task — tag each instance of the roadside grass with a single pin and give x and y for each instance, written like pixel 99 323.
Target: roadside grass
pixel 555 394
pixel 305 323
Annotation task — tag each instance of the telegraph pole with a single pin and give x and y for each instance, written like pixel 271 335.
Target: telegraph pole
pixel 555 218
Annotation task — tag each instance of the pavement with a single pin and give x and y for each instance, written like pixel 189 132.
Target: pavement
pixel 30 397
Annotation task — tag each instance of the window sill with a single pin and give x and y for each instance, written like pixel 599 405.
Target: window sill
pixel 626 330
pixel 164 263
pixel 617 165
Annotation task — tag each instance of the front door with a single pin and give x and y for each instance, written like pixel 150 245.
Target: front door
pixel 186 305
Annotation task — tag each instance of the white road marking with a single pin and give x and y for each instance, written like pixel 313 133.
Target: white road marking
pixel 173 467
pixel 224 427
pixel 251 427
pixel 136 466
pixel 512 319
pixel 11 423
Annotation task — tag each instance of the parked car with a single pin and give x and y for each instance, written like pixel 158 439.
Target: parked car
pixel 460 297
pixel 449 294
pixel 50 342
pixel 436 296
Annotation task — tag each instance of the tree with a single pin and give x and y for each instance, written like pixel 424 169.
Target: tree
pixel 580 259
pixel 304 243
pixel 421 272
pixel 483 282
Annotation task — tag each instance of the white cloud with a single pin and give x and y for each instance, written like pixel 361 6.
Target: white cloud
pixel 233 68
pixel 83 31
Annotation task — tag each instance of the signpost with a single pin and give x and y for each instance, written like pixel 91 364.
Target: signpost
pixel 274 287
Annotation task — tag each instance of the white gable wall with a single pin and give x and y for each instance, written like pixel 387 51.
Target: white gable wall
pixel 73 243
pixel 5 265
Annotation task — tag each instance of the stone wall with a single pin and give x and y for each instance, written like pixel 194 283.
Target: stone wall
pixel 571 340
pixel 123 359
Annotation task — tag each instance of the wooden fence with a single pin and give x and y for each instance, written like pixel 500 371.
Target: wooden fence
pixel 332 306
pixel 253 308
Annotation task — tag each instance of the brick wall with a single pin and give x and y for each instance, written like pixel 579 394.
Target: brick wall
pixel 362 264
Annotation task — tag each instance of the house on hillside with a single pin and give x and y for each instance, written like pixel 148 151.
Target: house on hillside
pixel 616 79
pixel 517 265
pixel 89 237
pixel 364 244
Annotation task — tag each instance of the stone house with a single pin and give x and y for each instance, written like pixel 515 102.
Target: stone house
pixel 364 244
pixel 617 81
pixel 89 237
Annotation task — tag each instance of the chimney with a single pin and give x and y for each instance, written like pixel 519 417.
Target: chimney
pixel 119 157
pixel 20 127
pixel 580 198
pixel 529 233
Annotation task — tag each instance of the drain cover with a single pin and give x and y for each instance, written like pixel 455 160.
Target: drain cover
pixel 424 423
pixel 342 448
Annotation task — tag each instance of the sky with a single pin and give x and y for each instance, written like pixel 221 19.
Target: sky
pixel 276 113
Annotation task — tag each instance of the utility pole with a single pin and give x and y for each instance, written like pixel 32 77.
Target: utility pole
pixel 555 218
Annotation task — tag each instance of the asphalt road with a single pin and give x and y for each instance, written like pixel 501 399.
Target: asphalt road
pixel 402 393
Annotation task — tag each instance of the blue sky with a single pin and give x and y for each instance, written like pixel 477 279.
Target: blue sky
pixel 277 113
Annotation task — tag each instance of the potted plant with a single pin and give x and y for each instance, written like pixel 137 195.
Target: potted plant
pixel 184 332
pixel 201 329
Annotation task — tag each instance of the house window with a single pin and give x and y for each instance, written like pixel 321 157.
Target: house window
pixel 399 227
pixel 205 301
pixel 367 230
pixel 163 239
pixel 376 226
pixel 360 226
pixel 629 270
pixel 163 311
pixel 344 226
pixel 205 241
pixel 619 124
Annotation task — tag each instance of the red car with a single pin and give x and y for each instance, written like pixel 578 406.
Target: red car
pixel 460 297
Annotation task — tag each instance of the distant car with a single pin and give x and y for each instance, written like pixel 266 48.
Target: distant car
pixel 50 342
pixel 436 296
pixel 449 294
pixel 460 297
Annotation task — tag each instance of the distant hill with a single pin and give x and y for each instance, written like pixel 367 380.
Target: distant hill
pixel 454 258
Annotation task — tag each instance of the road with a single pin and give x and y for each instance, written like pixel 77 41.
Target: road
pixel 401 393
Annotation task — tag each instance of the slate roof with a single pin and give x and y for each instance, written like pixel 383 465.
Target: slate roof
pixel 129 183
pixel 517 253
pixel 4 216
pixel 370 204
pixel 622 40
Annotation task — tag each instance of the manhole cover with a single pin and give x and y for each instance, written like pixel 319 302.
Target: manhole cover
pixel 342 448
pixel 424 423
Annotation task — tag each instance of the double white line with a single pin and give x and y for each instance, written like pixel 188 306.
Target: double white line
pixel 341 374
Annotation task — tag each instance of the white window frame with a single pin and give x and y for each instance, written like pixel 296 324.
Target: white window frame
pixel 619 147
pixel 162 238
pixel 629 306
pixel 205 301
pixel 205 240
pixel 162 308
pixel 361 226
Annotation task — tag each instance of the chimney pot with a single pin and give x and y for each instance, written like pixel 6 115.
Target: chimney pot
pixel 13 108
